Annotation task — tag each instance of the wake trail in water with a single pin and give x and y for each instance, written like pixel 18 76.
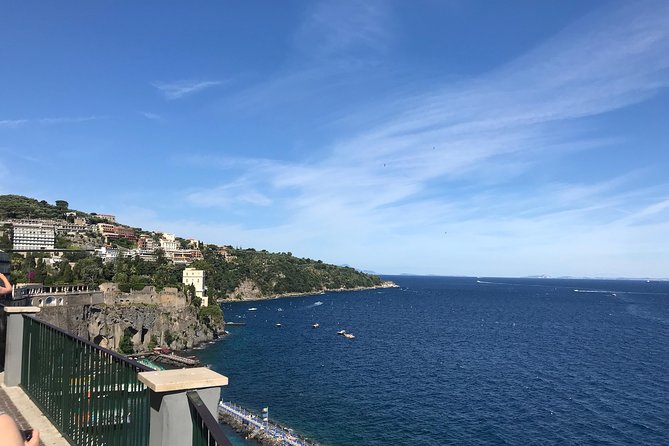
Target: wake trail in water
pixel 485 282
pixel 612 292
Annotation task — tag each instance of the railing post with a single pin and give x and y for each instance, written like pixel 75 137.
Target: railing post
pixel 14 343
pixel 171 422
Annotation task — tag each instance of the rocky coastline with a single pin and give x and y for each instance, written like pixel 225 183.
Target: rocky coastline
pixel 144 324
pixel 249 293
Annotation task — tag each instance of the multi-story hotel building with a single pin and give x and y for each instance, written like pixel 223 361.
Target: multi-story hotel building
pixel 33 236
pixel 147 243
pixel 109 231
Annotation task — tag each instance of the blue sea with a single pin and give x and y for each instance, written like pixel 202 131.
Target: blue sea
pixel 444 360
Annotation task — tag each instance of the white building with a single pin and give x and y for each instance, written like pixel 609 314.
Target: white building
pixel 169 245
pixel 108 254
pixel 195 277
pixel 33 236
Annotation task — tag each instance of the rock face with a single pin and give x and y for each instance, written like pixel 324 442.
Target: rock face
pixel 106 325
pixel 167 297
pixel 247 290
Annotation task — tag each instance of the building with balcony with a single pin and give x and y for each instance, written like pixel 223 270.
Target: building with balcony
pixel 107 217
pixel 71 227
pixel 108 254
pixel 169 245
pixel 33 236
pixel 185 256
pixel 109 232
pixel 147 243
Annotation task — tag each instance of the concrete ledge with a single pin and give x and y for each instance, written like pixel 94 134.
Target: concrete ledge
pixel 182 379
pixel 22 309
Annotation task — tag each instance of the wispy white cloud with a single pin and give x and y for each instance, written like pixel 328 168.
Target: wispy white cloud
pixel 152 116
pixel 179 89
pixel 413 180
pixel 333 41
pixel 238 193
pixel 334 28
pixel 13 123
pixel 68 119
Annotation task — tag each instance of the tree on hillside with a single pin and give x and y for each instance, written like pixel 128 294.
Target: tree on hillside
pixel 192 296
pixel 211 316
pixel 125 346
pixel 6 238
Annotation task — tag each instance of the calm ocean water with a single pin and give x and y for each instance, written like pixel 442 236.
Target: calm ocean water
pixel 458 361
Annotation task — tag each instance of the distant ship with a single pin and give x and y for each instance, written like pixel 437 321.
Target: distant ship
pixel 253 309
pixel 315 325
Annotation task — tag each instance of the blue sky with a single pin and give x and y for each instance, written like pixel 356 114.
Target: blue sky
pixel 433 137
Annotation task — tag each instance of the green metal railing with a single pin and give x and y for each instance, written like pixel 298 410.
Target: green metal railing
pixel 91 394
pixel 206 430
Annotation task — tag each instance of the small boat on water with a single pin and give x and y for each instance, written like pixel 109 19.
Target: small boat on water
pixel 341 332
pixel 349 336
pixel 253 309
pixel 316 325
pixel 278 325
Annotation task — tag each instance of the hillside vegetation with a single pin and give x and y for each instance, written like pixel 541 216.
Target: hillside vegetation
pixel 228 269
pixel 275 273
pixel 17 206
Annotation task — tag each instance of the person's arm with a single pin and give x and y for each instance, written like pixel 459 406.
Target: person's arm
pixel 9 431
pixel 10 435
pixel 8 286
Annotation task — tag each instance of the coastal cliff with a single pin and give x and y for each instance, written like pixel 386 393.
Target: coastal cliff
pixel 247 274
pixel 249 290
pixel 145 325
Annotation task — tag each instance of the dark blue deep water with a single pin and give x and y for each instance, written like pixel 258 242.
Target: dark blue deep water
pixel 458 361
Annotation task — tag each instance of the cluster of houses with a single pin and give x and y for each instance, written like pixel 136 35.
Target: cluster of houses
pixel 40 235
pixel 29 235
pixel 148 246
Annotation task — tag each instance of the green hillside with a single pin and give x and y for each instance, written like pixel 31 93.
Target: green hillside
pixel 17 206
pixel 268 273
pixel 275 273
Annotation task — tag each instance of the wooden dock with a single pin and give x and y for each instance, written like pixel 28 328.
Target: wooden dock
pixel 178 359
pixel 169 358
